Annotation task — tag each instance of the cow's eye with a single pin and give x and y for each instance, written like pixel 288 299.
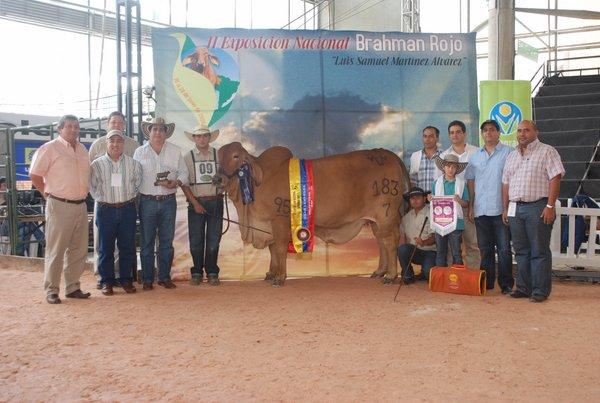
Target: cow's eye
pixel 235 157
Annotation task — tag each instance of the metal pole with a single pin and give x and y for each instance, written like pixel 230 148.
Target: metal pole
pixel 460 16
pixel 89 43
pixel 556 36
pixel 119 72
pixel 138 16
pixel 11 192
pixel 468 15
pixel 129 63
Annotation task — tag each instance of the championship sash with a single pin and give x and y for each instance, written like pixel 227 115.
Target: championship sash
pixel 301 206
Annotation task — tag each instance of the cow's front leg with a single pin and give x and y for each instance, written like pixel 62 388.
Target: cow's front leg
pixel 270 276
pixel 281 235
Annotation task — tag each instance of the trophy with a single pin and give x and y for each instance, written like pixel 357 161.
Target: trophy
pixel 161 178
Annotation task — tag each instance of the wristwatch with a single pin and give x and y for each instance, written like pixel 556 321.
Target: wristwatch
pixel 549 206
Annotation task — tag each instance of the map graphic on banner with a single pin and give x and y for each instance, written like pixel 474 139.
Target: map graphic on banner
pixel 318 93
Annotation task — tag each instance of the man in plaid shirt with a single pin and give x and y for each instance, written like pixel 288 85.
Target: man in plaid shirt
pixel 530 187
pixel 423 170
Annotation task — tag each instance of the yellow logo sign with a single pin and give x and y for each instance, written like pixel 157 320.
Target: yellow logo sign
pixel 29 151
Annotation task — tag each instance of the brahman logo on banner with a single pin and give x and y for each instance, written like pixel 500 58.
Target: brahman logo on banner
pixel 508 115
pixel 317 93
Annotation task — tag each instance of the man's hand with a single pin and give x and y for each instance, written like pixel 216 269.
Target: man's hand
pixel 198 208
pixel 471 214
pixel 548 215
pixel 170 184
pixel 505 216
pixel 418 241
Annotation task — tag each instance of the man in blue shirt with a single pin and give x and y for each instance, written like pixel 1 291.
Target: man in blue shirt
pixel 484 180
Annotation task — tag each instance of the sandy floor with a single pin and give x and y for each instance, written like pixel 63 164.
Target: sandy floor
pixel 334 339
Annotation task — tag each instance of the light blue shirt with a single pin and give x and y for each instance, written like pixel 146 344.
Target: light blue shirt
pixel 486 170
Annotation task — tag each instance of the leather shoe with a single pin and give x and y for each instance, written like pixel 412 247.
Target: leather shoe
pixel 408 280
pixel 128 287
pixel 167 284
pixel 538 298
pixel 518 294
pixel 506 290
pixel 107 289
pixel 213 279
pixel 78 294
pixel 147 287
pixel 53 299
pixel 99 285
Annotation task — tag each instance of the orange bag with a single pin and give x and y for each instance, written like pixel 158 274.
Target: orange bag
pixel 457 279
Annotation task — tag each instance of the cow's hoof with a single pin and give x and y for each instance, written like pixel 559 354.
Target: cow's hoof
pixel 269 277
pixel 277 283
pixel 387 281
pixel 377 274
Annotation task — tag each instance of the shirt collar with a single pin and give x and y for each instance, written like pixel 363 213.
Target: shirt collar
pixel 65 142
pixel 531 147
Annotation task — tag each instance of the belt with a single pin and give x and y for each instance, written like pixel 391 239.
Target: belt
pixel 216 197
pixel 157 197
pixel 67 200
pixel 117 205
pixel 519 203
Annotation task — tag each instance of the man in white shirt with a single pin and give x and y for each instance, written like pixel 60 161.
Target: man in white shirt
pixel 457 132
pixel 163 170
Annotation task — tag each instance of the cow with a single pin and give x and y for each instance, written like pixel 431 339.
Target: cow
pixel 202 61
pixel 350 191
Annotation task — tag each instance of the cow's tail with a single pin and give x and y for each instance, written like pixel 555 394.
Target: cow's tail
pixel 404 206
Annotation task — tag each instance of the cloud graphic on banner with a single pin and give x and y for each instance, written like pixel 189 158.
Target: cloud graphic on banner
pixel 301 127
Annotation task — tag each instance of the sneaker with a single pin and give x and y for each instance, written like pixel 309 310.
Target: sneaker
pixel 195 280
pixel 99 284
pixel 408 280
pixel 213 279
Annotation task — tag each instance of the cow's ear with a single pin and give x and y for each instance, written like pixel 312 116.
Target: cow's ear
pixel 257 172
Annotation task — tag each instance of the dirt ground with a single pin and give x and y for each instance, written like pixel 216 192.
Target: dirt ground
pixel 320 339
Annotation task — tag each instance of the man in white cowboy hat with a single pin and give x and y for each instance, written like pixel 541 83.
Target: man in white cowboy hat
pixel 450 184
pixel 205 205
pixel 163 170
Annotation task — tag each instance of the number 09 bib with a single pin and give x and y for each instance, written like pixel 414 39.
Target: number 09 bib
pixel 205 170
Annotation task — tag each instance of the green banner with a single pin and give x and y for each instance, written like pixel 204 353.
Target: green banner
pixel 508 102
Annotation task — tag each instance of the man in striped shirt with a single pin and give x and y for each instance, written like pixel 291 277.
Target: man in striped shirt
pixel 115 183
pixel 530 187
pixel 423 170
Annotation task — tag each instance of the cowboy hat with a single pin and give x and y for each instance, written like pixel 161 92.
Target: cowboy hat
pixel 115 132
pixel 147 126
pixel 201 130
pixel 450 159
pixel 415 191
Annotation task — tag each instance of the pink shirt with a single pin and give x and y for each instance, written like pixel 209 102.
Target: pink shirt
pixel 528 175
pixel 66 172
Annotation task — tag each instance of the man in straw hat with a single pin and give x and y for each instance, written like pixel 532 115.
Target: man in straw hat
pixel 417 239
pixel 447 185
pixel 163 170
pixel 205 205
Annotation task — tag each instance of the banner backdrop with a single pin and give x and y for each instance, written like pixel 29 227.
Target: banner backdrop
pixel 508 102
pixel 318 93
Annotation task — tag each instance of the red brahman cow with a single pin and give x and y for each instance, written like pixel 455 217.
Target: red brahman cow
pixel 350 190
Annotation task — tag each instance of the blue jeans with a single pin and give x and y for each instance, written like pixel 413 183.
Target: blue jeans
pixel 116 224
pixel 205 234
pixel 492 236
pixel 531 241
pixel 157 216
pixel 426 258
pixel 441 244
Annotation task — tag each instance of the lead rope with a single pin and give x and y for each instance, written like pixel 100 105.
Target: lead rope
pixel 226 213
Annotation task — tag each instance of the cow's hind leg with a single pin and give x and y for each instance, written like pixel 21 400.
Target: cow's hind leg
pixel 387 237
pixel 382 267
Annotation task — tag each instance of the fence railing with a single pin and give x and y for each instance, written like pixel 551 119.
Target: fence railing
pixel 587 256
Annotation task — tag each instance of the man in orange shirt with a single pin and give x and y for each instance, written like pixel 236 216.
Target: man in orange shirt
pixel 60 170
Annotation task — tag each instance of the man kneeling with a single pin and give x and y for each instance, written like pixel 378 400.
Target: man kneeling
pixel 417 239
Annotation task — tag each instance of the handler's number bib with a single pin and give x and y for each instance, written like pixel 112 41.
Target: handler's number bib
pixel 205 170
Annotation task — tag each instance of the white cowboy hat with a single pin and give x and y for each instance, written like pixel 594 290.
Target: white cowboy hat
pixel 201 130
pixel 450 159
pixel 147 126
pixel 115 132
